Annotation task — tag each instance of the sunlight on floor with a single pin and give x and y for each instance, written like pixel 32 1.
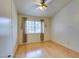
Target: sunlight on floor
pixel 36 53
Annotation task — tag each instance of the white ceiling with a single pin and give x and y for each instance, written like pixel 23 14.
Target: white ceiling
pixel 27 7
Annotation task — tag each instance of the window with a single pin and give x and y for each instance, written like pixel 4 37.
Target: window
pixel 34 27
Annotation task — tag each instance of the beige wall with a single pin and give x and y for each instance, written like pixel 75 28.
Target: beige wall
pixel 65 26
pixel 8 14
pixel 35 38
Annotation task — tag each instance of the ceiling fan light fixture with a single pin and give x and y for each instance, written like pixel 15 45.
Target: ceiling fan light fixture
pixel 42 8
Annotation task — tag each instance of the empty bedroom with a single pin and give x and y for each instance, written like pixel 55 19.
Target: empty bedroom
pixel 39 28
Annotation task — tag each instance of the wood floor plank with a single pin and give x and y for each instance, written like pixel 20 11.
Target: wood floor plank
pixel 44 50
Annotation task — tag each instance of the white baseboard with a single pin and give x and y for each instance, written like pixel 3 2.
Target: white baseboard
pixel 65 46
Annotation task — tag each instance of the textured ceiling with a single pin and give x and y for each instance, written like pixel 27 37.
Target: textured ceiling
pixel 28 7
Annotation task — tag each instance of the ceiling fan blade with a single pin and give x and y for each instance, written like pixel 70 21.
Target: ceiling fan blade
pixel 49 2
pixel 43 1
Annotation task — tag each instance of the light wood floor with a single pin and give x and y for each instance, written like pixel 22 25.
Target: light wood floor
pixel 44 50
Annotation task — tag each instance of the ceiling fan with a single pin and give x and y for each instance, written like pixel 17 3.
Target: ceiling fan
pixel 43 4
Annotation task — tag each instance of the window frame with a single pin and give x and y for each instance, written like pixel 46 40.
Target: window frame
pixel 34 32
